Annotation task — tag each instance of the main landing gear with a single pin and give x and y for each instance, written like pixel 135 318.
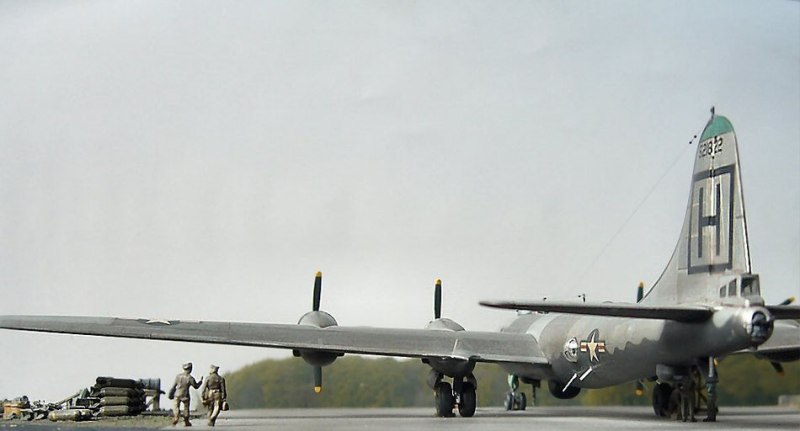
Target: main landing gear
pixel 689 396
pixel 460 395
pixel 515 399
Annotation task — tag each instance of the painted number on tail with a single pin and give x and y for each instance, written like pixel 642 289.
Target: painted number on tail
pixel 711 147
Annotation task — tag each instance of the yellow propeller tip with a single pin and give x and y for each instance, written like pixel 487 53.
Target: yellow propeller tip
pixel 317 389
pixel 641 284
pixel 639 392
pixel 319 274
pixel 438 282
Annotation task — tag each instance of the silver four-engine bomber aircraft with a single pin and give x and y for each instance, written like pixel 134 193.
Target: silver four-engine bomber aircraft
pixel 707 304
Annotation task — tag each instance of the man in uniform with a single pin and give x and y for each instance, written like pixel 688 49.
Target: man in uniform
pixel 214 394
pixel 180 392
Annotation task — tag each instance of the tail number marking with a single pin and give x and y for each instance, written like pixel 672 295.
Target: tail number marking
pixel 711 147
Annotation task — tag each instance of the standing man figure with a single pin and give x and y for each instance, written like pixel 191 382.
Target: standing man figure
pixel 214 394
pixel 180 392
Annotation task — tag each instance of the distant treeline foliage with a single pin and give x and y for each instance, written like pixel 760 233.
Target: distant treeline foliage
pixel 354 381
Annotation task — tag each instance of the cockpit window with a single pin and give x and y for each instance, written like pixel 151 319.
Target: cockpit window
pixel 732 288
pixel 750 286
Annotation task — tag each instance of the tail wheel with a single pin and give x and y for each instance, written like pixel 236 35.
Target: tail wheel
pixel 468 401
pixel 522 402
pixel 444 400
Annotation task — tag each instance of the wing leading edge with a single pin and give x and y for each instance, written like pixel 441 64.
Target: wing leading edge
pixel 413 343
pixel 678 313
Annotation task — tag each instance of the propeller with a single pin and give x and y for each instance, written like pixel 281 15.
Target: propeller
pixel 639 391
pixel 639 388
pixel 438 321
pixel 777 365
pixel 787 301
pixel 317 291
pixel 320 319
pixel 437 300
pixel 315 307
pixel 317 379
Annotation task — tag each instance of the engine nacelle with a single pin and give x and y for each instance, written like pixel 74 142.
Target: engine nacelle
pixel 319 319
pixel 319 358
pixel 557 390
pixel 447 366
pixel 444 324
pixel 758 324
pixel 673 373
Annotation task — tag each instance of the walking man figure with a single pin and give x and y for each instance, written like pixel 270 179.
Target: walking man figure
pixel 214 394
pixel 180 392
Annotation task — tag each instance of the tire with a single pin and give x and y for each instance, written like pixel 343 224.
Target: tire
pixel 444 400
pixel 509 401
pixel 523 401
pixel 662 393
pixel 468 402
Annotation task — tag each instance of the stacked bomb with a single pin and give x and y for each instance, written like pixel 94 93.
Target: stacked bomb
pixel 118 397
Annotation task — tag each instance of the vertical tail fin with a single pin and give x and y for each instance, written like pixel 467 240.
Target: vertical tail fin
pixel 713 249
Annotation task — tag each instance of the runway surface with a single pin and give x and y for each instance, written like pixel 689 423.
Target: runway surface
pixel 490 419
pixel 486 419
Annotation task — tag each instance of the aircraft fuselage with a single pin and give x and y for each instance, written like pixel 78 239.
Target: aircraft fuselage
pixel 596 352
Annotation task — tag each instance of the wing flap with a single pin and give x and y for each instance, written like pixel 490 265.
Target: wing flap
pixel 678 313
pixel 412 343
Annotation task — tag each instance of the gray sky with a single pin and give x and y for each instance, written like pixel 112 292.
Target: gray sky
pixel 202 160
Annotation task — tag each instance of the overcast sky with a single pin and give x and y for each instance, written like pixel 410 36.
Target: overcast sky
pixel 202 160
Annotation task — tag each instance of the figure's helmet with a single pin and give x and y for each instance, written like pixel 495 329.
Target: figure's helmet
pixel 187 366
pixel 214 368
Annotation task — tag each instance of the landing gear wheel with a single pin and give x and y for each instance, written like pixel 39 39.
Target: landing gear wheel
pixel 522 401
pixel 444 400
pixel 468 401
pixel 662 394
pixel 509 401
pixel 515 401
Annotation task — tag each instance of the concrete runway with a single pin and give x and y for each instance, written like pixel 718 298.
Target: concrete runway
pixel 486 419
pixel 491 419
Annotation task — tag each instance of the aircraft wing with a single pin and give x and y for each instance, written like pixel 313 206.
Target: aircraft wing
pixel 680 313
pixel 413 343
pixel 785 338
pixel 784 311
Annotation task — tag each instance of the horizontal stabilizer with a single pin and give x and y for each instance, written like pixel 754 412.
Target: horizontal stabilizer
pixel 684 313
